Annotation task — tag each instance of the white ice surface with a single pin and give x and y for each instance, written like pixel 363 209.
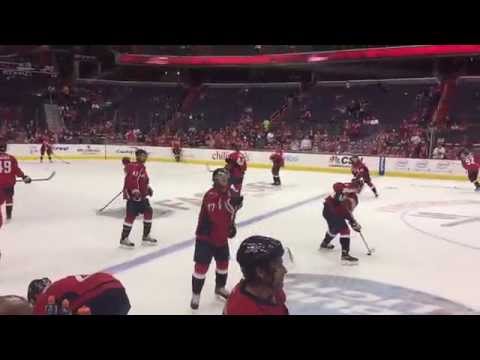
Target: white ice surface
pixel 56 232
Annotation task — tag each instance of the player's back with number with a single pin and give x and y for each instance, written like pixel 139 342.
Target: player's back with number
pixel 9 170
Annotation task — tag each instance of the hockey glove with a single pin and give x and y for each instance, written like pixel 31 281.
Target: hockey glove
pixel 125 160
pixel 356 226
pixel 232 232
pixel 237 202
pixel 136 195
pixel 150 191
pixel 27 179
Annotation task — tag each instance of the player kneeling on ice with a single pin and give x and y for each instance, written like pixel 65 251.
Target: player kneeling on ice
pixel 337 210
pixel 472 167
pixel 100 292
pixel 9 171
pixel 135 190
pixel 260 292
pixel 216 224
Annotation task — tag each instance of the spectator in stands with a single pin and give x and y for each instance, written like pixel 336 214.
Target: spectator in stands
pixel 270 137
pixel 295 145
pixel 439 152
pixel 266 125
pixel 306 144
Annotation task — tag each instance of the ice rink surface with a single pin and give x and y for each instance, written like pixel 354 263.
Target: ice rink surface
pixel 425 233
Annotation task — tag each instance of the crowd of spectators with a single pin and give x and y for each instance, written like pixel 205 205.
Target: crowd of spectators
pixel 155 116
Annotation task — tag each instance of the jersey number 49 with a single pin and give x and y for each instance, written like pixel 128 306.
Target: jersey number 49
pixel 5 166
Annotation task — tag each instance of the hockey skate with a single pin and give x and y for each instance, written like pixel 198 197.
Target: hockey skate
pixel 148 240
pixel 126 243
pixel 195 302
pixel 326 246
pixel 477 189
pixel 222 293
pixel 348 259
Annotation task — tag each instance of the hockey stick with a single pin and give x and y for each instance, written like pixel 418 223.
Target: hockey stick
pixel 111 201
pixel 370 250
pixel 56 157
pixel 41 179
pixel 289 253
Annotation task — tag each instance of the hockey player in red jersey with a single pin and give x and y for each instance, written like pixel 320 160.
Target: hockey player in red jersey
pixel 277 163
pixel 236 165
pixel 469 164
pixel 176 149
pixel 216 224
pixel 260 292
pixel 45 147
pixel 101 292
pixel 337 210
pixel 9 171
pixel 360 171
pixel 136 189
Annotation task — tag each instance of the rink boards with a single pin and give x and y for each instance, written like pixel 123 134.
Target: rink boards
pixel 402 167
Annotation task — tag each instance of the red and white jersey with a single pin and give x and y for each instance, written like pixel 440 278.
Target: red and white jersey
pixel 45 141
pixel 236 164
pixel 277 158
pixel 240 302
pixel 136 178
pixel 468 163
pixel 216 217
pixel 79 290
pixel 359 169
pixel 9 170
pixel 176 144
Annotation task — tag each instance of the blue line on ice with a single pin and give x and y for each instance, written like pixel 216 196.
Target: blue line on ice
pixel 115 269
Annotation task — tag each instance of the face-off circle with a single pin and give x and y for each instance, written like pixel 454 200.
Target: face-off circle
pixel 315 294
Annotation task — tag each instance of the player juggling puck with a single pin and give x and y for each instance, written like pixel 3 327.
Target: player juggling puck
pixel 337 210
pixel 260 292
pixel 136 189
pixel 216 224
